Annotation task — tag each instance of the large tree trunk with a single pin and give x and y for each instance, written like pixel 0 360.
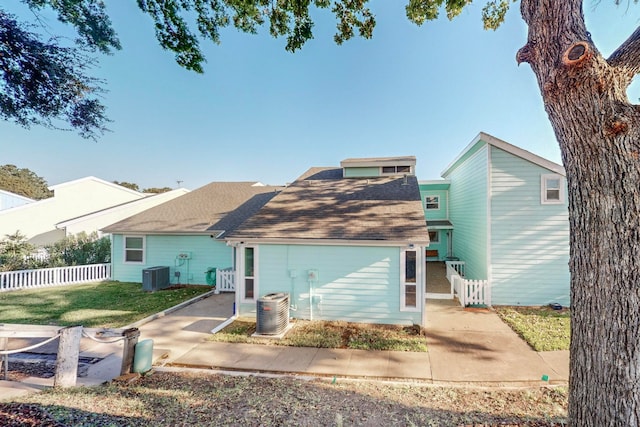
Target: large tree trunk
pixel 598 131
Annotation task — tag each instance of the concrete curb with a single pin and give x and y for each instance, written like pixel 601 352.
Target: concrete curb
pixel 515 385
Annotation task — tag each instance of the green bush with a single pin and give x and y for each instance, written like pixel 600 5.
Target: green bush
pixel 80 249
pixel 16 253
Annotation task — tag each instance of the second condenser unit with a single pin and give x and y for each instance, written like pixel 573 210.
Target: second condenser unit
pixel 272 314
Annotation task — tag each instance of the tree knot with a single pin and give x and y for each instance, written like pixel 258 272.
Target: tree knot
pixel 577 54
pixel 616 127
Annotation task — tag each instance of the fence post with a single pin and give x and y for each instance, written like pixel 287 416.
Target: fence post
pixel 4 343
pixel 68 355
pixel 130 340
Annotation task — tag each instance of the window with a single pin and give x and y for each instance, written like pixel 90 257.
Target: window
pixel 552 189
pixel 249 272
pixel 434 236
pixel 410 292
pixel 388 170
pixel 432 202
pixel 134 249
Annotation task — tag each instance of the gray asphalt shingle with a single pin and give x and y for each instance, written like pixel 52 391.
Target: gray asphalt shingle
pixel 321 204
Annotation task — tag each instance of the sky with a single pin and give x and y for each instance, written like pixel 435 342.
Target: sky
pixel 260 113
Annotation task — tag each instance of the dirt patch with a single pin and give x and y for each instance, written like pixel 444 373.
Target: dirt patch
pixel 22 415
pixel 199 399
pixel 332 334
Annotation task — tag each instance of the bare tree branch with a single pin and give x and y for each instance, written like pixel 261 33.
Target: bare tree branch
pixel 628 54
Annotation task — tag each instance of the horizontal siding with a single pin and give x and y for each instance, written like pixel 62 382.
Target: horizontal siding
pixel 162 251
pixel 361 172
pixel 529 240
pixel 355 284
pixel 468 195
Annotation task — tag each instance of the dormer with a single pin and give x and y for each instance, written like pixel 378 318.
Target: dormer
pixel 378 166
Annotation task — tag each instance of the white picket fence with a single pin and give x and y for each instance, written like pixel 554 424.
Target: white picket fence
pixel 58 276
pixel 225 280
pixel 454 267
pixel 469 292
pixel 472 292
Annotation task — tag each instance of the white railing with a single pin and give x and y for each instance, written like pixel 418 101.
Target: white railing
pixel 454 267
pixel 58 276
pixel 39 255
pixel 225 280
pixel 471 292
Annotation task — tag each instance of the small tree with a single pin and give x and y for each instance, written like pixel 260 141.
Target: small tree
pixel 155 190
pixel 129 185
pixel 14 252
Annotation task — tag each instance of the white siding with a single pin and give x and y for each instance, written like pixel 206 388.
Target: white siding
pixel 96 221
pixel 37 220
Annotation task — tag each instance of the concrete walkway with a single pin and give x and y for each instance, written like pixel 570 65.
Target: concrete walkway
pixel 474 345
pixel 464 346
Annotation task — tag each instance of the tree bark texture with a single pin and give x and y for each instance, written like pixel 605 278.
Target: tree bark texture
pixel 598 131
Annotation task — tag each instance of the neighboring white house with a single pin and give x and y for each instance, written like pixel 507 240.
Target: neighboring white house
pixel 11 200
pixel 37 220
pixel 95 221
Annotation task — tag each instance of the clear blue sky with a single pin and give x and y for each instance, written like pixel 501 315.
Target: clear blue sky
pixel 261 113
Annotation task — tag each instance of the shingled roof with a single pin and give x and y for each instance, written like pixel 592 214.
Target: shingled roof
pixel 321 204
pixel 216 208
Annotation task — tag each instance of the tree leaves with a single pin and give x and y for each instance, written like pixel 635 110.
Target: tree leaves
pixel 42 82
pixel 494 12
pixel 90 19
pixel 45 83
pixel 24 182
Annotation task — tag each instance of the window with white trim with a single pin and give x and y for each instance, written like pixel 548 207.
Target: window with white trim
pixel 134 248
pixel 410 291
pixel 249 259
pixel 432 203
pixel 434 236
pixel 551 189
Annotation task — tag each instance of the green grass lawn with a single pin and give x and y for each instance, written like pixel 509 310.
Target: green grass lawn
pixel 331 334
pixel 543 328
pixel 104 304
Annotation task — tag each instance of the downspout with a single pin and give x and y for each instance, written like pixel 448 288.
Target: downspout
pixel 423 278
pixel 239 262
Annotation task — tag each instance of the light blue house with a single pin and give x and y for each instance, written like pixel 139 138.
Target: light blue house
pixel 503 211
pixel 435 198
pixel 345 243
pixel 360 242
